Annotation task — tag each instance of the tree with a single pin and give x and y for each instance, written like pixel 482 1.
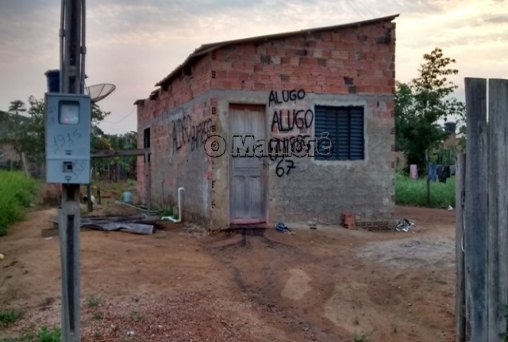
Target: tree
pixel 420 104
pixel 33 138
pixel 113 166
pixel 27 132
pixel 16 107
pixel 16 124
pixel 98 115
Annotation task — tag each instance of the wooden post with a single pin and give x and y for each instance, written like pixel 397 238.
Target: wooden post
pixel 476 210
pixel 24 164
pixel 460 299
pixel 497 266
pixel 89 202
pixel 427 173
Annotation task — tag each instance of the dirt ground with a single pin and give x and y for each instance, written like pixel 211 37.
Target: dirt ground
pixel 182 284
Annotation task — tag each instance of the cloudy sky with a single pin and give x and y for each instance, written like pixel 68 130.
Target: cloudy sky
pixel 135 43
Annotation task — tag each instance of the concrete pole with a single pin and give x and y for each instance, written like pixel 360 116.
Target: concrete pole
pixel 72 76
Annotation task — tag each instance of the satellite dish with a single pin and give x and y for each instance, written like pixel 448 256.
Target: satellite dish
pixel 99 91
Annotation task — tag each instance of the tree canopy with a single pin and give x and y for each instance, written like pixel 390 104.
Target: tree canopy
pixel 26 131
pixel 421 103
pixel 26 128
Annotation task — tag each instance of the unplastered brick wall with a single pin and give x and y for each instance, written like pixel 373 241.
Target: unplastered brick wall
pixel 352 64
pixel 187 86
pixel 177 91
pixel 347 60
pixel 155 113
pixel 178 158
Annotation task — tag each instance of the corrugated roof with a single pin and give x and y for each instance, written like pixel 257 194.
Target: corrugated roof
pixel 206 48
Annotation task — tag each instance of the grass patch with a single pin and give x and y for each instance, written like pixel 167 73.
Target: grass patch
pixel 49 334
pixel 137 316
pixel 93 301
pixel 44 334
pixel 97 316
pixel 414 192
pixel 8 317
pixel 361 338
pixel 16 193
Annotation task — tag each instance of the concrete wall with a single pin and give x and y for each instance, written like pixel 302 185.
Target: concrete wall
pixel 347 66
pixel 178 159
pixel 320 191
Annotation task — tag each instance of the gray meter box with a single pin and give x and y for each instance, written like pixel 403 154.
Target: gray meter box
pixel 68 138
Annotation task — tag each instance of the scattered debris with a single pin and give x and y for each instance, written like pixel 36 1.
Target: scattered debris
pixel 141 209
pixel 144 219
pixel 282 228
pixel 312 224
pixel 376 226
pixel 135 228
pixel 2 257
pixel 50 232
pixel 85 199
pixel 348 220
pixel 140 224
pixel 450 208
pixel 192 229
pixel 404 225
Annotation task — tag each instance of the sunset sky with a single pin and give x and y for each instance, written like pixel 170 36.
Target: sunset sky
pixel 136 43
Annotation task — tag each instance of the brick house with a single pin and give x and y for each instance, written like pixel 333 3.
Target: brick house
pixel 290 127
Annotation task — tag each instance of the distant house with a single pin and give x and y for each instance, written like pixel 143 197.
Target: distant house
pixel 9 157
pixel 290 127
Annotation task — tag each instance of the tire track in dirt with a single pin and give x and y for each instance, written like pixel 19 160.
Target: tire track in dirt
pixel 264 284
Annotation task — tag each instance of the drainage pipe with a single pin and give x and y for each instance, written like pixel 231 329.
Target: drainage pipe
pixel 171 218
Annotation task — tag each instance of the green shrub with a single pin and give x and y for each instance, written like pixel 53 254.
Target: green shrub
pixel 414 192
pixel 44 334
pixel 16 192
pixel 49 335
pixel 93 301
pixel 361 338
pixel 8 317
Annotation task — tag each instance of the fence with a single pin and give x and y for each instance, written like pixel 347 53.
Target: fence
pixel 482 215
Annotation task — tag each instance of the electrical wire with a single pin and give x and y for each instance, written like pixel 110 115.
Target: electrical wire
pixel 121 119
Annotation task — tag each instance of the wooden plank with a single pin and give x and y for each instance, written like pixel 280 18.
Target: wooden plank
pixel 460 299
pixel 476 210
pixel 497 268
pixel 119 153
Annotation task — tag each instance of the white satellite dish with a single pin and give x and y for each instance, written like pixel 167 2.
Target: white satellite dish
pixel 99 91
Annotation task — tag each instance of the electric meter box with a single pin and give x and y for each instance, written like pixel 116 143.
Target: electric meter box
pixel 68 121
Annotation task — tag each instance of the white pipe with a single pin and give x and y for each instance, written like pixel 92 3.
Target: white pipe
pixel 171 218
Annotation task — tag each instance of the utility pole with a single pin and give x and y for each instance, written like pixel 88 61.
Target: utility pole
pixel 72 75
